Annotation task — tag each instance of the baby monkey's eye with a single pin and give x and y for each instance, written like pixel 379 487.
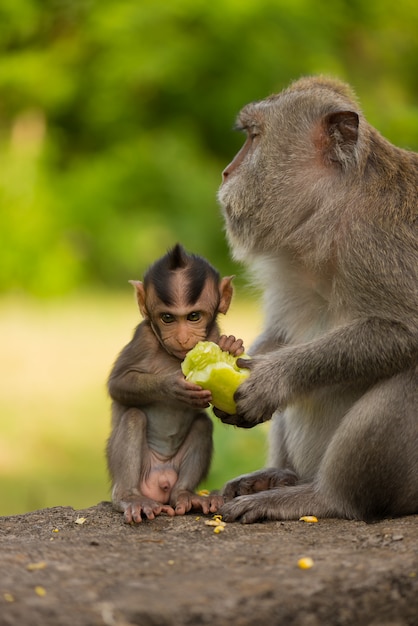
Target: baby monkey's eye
pixel 167 318
pixel 194 316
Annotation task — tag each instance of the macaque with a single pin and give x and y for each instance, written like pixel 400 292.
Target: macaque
pixel 323 209
pixel 160 445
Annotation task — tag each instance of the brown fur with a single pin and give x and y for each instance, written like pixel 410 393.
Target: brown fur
pixel 160 447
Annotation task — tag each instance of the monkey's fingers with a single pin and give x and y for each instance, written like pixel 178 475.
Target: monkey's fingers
pixel 247 363
pixel 132 513
pixel 136 511
pixel 207 504
pixel 167 509
pixel 255 404
pixel 200 401
pixel 193 395
pixel 233 420
pixel 216 501
pixel 183 503
pixel 188 500
pixel 151 511
pixel 231 344
pixel 247 509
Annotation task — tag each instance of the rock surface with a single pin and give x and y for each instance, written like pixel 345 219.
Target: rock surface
pixel 61 567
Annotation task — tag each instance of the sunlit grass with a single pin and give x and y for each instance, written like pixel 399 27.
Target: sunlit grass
pixel 54 409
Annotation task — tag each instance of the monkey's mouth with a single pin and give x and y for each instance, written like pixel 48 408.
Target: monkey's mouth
pixel 223 201
pixel 180 354
pixel 227 209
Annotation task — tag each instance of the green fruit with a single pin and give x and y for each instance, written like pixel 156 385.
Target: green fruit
pixel 211 368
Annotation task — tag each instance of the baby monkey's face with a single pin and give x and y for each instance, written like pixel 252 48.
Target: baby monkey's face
pixel 181 324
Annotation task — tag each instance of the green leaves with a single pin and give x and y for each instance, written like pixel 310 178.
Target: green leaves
pixel 128 108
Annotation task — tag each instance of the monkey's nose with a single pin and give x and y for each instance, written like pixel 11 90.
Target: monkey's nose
pixel 225 174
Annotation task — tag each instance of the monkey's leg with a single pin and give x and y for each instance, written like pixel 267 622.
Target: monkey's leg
pixel 369 470
pixel 128 455
pixel 270 477
pixel 261 480
pixel 278 504
pixel 193 460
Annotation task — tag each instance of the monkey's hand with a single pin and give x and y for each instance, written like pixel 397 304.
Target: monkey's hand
pixel 134 510
pixel 175 386
pixel 239 418
pixel 185 501
pixel 229 343
pixel 264 392
pixel 233 420
pixel 262 480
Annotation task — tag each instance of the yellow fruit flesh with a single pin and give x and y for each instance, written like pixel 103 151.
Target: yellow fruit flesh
pixel 212 368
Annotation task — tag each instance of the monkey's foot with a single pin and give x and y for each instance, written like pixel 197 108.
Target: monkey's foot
pixel 248 509
pixel 262 480
pixel 136 510
pixel 187 500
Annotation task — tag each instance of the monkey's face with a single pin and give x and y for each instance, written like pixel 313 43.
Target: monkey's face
pixel 239 195
pixel 290 162
pixel 180 325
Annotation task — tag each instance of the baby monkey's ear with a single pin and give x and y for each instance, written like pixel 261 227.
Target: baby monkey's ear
pixel 225 291
pixel 140 297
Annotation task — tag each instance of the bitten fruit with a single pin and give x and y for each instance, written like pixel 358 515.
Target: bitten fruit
pixel 213 369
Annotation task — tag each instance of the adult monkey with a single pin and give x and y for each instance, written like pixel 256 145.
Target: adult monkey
pixel 324 210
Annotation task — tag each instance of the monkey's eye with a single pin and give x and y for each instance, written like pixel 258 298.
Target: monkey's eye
pixel 252 131
pixel 167 318
pixel 194 316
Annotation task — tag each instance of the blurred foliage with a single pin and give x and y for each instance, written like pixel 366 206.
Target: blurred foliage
pixel 115 118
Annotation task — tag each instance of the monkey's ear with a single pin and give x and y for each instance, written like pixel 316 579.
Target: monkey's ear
pixel 340 134
pixel 225 290
pixel 140 296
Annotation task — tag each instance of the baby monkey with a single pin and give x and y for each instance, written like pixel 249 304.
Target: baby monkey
pixel 160 446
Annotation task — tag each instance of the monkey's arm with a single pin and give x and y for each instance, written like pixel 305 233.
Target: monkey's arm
pixel 144 373
pixel 134 388
pixel 267 342
pixel 363 351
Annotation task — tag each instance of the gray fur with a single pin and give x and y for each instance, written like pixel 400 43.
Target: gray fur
pixel 323 210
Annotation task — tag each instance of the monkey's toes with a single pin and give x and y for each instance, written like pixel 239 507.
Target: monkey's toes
pixel 235 509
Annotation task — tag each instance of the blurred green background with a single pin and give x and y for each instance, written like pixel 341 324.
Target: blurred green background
pixel 115 124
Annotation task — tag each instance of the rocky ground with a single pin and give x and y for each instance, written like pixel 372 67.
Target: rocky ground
pixel 61 567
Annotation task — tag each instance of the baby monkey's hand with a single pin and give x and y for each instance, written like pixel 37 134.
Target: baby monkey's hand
pixel 229 343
